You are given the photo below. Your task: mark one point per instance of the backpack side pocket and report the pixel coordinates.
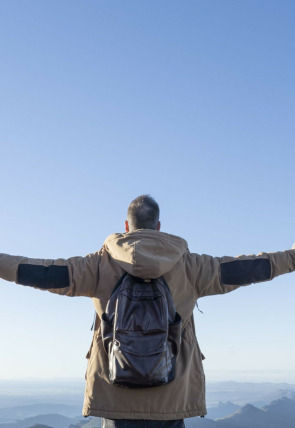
(106, 332)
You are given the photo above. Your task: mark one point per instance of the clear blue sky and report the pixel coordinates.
(191, 102)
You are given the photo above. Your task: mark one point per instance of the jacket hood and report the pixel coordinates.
(146, 253)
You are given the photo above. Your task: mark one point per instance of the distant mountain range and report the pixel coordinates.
(278, 414)
(52, 420)
(222, 410)
(242, 393)
(13, 413)
(40, 426)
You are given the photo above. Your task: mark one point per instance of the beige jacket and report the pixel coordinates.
(146, 254)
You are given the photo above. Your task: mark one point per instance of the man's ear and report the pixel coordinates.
(126, 226)
(159, 225)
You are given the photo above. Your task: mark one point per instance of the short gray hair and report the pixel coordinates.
(143, 213)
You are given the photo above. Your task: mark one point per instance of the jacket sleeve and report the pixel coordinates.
(76, 276)
(219, 275)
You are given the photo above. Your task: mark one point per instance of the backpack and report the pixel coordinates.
(141, 333)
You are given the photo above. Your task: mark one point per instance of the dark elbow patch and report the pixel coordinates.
(45, 277)
(241, 272)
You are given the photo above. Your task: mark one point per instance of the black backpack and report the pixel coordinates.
(141, 333)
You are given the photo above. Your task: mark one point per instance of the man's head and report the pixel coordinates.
(143, 213)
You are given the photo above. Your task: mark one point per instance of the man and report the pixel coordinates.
(147, 253)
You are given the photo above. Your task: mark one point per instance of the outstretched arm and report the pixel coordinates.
(76, 276)
(218, 275)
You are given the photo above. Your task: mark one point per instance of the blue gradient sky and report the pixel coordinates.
(191, 102)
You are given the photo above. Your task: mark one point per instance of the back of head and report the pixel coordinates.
(143, 213)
